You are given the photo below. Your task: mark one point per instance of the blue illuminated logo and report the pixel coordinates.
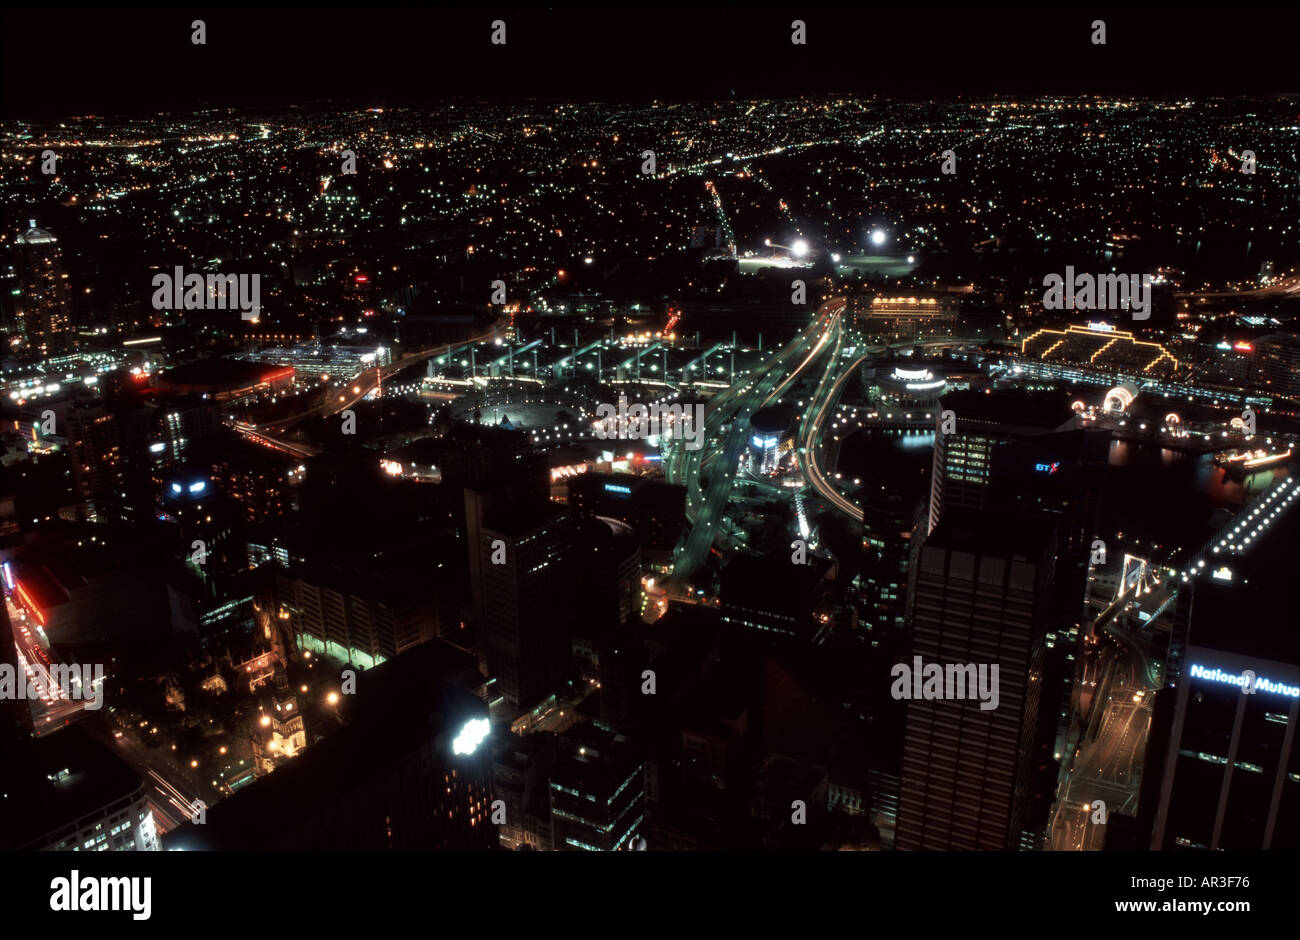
(1047, 467)
(616, 488)
(1241, 680)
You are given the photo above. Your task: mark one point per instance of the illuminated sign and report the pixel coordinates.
(157, 448)
(198, 487)
(1047, 467)
(1240, 680)
(1223, 346)
(471, 736)
(9, 576)
(1222, 574)
(617, 488)
(1101, 327)
(760, 441)
(1244, 347)
(30, 605)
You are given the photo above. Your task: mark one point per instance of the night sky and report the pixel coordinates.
(61, 61)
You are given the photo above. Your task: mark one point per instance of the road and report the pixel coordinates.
(823, 340)
(54, 708)
(1107, 767)
(727, 416)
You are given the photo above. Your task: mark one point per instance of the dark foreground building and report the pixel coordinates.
(983, 595)
(409, 770)
(67, 792)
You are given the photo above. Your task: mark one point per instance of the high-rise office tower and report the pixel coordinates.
(43, 314)
(1059, 477)
(1014, 453)
(888, 528)
(963, 457)
(1279, 364)
(983, 590)
(95, 449)
(1225, 762)
(524, 579)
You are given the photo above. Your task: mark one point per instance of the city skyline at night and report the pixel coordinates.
(655, 429)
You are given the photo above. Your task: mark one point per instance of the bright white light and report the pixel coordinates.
(799, 248)
(471, 736)
(877, 237)
(835, 258)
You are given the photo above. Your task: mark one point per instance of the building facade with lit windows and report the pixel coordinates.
(66, 792)
(43, 312)
(963, 456)
(361, 617)
(1279, 364)
(900, 319)
(95, 452)
(597, 791)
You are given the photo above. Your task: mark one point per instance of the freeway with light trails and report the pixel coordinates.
(728, 414)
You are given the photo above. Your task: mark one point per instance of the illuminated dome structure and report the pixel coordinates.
(1119, 399)
(909, 389)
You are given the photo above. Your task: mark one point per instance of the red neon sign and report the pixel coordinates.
(31, 605)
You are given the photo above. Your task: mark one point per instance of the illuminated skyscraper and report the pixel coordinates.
(43, 313)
